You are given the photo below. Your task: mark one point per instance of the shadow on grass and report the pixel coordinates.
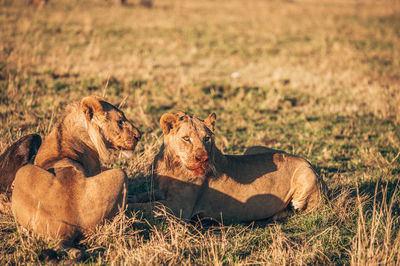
(374, 192)
(378, 192)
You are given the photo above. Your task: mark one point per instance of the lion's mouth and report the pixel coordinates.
(201, 169)
(126, 151)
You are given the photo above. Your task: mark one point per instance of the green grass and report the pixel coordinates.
(319, 79)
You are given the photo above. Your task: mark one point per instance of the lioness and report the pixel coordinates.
(65, 193)
(194, 178)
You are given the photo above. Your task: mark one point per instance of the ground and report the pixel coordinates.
(319, 79)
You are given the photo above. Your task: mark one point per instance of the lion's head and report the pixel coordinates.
(189, 141)
(108, 127)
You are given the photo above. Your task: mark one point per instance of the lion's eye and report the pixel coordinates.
(206, 139)
(186, 138)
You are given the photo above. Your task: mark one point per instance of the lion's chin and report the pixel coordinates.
(199, 171)
(126, 153)
(123, 152)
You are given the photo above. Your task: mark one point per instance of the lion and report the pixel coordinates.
(195, 179)
(65, 194)
(18, 154)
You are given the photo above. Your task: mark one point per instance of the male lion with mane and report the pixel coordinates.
(194, 179)
(65, 193)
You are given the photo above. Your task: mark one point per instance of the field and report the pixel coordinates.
(320, 79)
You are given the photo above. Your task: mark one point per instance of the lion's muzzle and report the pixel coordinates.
(135, 137)
(136, 134)
(201, 163)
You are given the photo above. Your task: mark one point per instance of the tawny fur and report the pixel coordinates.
(65, 193)
(194, 178)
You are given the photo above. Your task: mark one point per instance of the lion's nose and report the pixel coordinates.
(137, 134)
(202, 158)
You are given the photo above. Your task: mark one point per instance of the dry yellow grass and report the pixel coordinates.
(317, 78)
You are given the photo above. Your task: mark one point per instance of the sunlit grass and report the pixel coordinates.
(319, 79)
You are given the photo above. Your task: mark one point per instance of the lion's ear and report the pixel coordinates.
(210, 121)
(91, 105)
(167, 122)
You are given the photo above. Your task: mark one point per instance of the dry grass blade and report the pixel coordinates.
(377, 241)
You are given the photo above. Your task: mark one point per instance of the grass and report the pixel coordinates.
(316, 78)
